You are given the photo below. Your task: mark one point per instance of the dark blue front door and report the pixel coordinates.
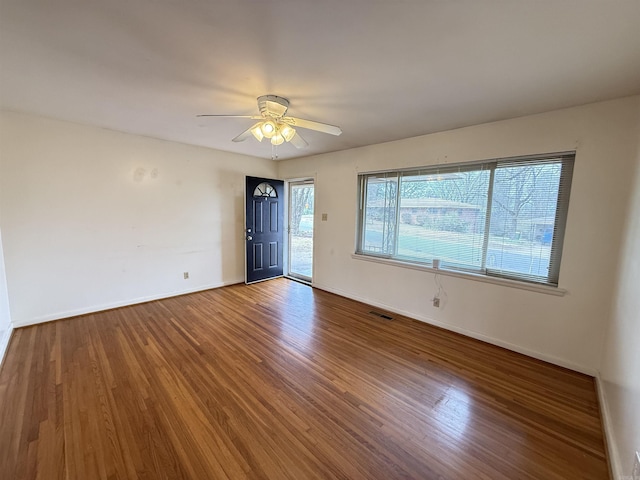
(264, 233)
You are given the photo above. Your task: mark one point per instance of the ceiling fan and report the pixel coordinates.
(276, 126)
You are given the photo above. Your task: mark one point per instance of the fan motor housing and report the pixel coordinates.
(272, 106)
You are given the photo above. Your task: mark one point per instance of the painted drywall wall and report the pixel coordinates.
(5, 314)
(566, 330)
(93, 218)
(620, 370)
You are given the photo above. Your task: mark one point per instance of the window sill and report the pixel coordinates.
(546, 289)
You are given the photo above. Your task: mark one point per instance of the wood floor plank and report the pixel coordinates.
(281, 381)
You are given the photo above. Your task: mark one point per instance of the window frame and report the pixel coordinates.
(567, 161)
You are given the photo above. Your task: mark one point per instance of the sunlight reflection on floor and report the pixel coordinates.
(453, 411)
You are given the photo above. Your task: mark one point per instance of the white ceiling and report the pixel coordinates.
(381, 69)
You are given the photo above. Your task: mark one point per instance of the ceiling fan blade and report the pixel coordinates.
(311, 125)
(232, 116)
(244, 135)
(298, 142)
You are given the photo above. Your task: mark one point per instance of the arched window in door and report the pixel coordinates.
(265, 190)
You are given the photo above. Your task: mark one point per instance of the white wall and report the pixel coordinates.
(5, 315)
(566, 330)
(93, 218)
(620, 370)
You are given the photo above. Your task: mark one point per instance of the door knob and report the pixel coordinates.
(249, 237)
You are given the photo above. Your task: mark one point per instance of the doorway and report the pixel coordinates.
(300, 231)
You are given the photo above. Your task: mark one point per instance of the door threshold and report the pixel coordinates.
(299, 280)
(263, 280)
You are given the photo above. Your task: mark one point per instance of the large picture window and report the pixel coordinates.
(502, 218)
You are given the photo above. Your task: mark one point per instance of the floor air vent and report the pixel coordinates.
(381, 315)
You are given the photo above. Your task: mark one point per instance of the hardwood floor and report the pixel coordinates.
(279, 381)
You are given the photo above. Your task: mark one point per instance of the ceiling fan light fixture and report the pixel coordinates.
(277, 139)
(287, 132)
(257, 131)
(268, 128)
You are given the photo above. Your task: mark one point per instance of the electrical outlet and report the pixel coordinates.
(636, 467)
(186, 275)
(324, 217)
(436, 302)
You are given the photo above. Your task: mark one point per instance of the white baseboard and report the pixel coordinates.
(469, 333)
(123, 303)
(614, 458)
(4, 343)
